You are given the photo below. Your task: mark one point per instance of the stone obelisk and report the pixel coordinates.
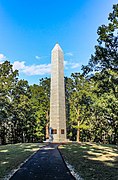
(57, 99)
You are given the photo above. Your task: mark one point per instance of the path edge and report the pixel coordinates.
(12, 172)
(65, 162)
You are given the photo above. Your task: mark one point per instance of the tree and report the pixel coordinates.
(104, 64)
(22, 119)
(79, 100)
(8, 81)
(106, 52)
(40, 95)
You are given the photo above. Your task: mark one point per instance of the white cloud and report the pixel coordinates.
(71, 65)
(2, 57)
(69, 54)
(18, 65)
(65, 63)
(40, 69)
(33, 69)
(37, 69)
(75, 65)
(37, 57)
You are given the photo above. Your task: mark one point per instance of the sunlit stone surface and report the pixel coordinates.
(57, 99)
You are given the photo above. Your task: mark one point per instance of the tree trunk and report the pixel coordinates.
(47, 125)
(115, 136)
(78, 124)
(78, 133)
(47, 131)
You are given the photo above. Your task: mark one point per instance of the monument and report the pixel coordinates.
(57, 98)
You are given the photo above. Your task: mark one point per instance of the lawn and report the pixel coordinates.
(12, 155)
(92, 161)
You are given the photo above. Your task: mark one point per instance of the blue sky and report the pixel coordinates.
(29, 30)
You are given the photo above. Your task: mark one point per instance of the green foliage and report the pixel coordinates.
(23, 108)
(104, 64)
(8, 80)
(79, 100)
(91, 97)
(40, 99)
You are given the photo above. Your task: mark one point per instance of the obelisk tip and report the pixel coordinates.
(57, 47)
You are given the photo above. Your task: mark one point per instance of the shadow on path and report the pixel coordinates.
(45, 164)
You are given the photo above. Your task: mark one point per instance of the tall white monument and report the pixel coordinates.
(57, 99)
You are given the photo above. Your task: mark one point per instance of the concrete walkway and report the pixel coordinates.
(45, 164)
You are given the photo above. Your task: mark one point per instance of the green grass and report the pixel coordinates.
(12, 155)
(92, 161)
